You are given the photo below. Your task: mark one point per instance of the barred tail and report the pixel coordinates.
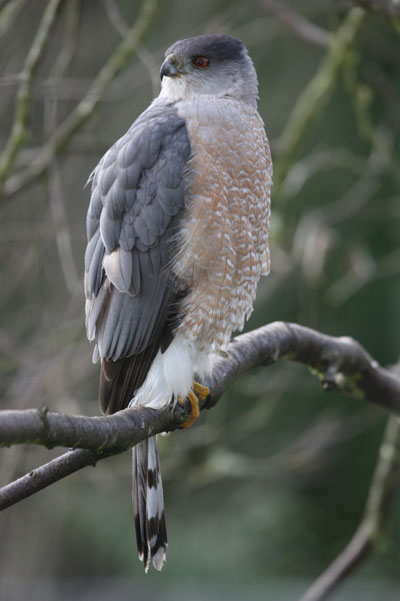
(148, 504)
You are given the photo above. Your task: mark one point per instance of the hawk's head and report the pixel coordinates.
(217, 65)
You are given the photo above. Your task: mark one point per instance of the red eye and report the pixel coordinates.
(201, 62)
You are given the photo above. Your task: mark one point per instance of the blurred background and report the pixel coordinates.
(267, 488)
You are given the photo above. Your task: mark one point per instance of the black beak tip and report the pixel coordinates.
(163, 70)
(167, 69)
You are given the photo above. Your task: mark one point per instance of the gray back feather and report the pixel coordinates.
(138, 199)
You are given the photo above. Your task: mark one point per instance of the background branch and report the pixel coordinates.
(387, 8)
(316, 94)
(89, 102)
(18, 132)
(301, 26)
(362, 542)
(8, 13)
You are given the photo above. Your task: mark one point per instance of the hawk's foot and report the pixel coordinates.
(194, 403)
(202, 392)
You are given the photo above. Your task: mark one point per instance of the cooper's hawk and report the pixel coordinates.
(178, 239)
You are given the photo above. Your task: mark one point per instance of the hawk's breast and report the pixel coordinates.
(223, 245)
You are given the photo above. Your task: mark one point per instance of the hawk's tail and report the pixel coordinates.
(148, 504)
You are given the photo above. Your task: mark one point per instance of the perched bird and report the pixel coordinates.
(177, 240)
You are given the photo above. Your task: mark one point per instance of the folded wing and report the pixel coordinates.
(137, 203)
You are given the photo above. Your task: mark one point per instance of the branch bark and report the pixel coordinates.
(339, 363)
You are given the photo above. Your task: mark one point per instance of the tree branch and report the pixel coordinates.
(114, 433)
(339, 363)
(361, 544)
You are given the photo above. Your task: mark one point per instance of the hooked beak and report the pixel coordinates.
(169, 67)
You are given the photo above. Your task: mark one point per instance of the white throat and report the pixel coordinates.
(184, 88)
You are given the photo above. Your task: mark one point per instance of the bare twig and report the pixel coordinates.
(69, 45)
(87, 105)
(387, 8)
(338, 362)
(61, 229)
(316, 94)
(8, 13)
(49, 473)
(23, 99)
(56, 197)
(361, 544)
(301, 26)
(115, 17)
(119, 24)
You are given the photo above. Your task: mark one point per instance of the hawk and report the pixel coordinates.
(177, 233)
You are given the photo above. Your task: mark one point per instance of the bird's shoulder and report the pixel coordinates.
(143, 167)
(138, 191)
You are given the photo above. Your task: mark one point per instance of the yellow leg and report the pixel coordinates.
(201, 391)
(194, 402)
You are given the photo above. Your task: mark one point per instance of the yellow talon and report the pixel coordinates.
(201, 391)
(194, 403)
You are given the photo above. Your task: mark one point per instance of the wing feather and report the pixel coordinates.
(137, 202)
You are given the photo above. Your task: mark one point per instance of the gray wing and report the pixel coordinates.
(137, 202)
